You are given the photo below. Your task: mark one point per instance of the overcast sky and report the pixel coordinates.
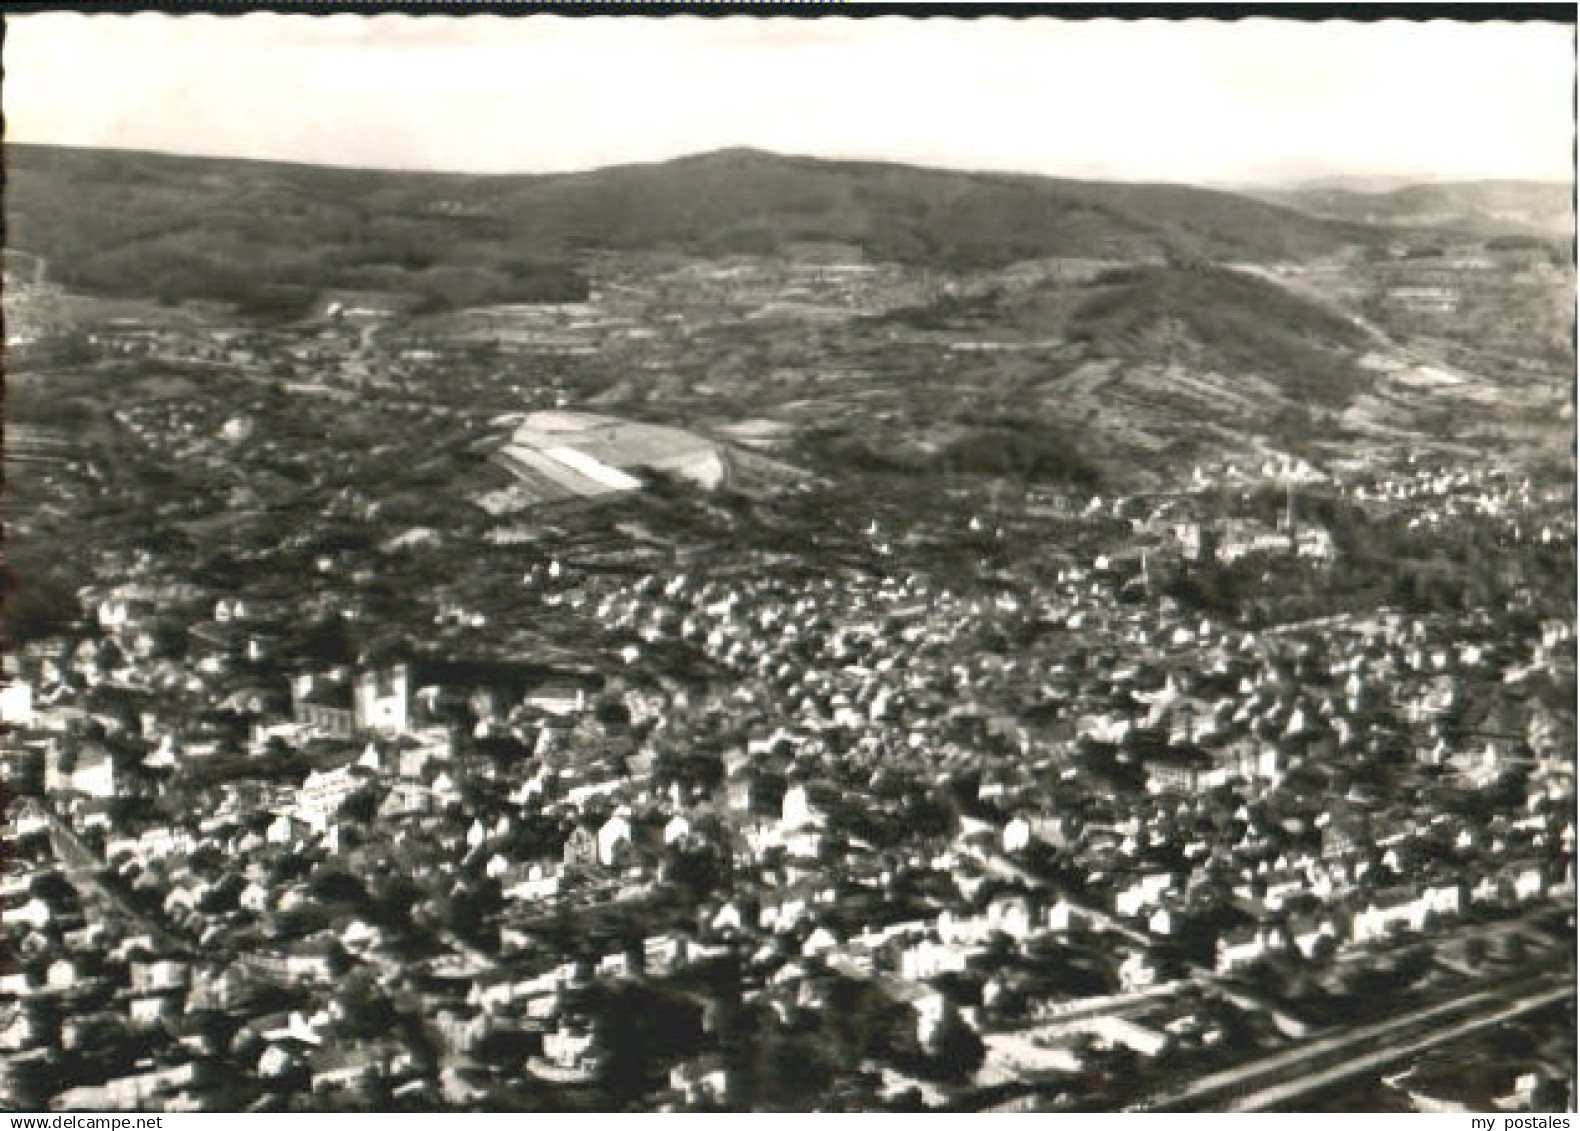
(1201, 101)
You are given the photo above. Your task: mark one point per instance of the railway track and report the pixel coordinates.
(1324, 1060)
(1276, 1095)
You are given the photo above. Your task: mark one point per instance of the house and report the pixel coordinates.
(701, 1080)
(557, 698)
(381, 700)
(1118, 1032)
(460, 1028)
(62, 974)
(614, 833)
(90, 772)
(1016, 916)
(619, 965)
(248, 608)
(800, 809)
(805, 843)
(323, 702)
(1143, 894)
(336, 1067)
(1436, 1091)
(729, 918)
(537, 882)
(1177, 769)
(152, 1010)
(154, 844)
(116, 614)
(27, 1030)
(1388, 911)
(254, 897)
(1064, 917)
(445, 790)
(1311, 933)
(1247, 945)
(1017, 835)
(677, 828)
(16, 703)
(1424, 299)
(158, 976)
(279, 1060)
(285, 829)
(132, 1092)
(1444, 899)
(930, 958)
(664, 954)
(222, 989)
(1315, 543)
(569, 1053)
(1528, 880)
(784, 914)
(406, 797)
(1240, 539)
(184, 894)
(1534, 1091)
(1346, 827)
(395, 699)
(1138, 971)
(323, 793)
(35, 913)
(581, 847)
(315, 959)
(820, 941)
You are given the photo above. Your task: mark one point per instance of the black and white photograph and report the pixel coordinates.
(859, 560)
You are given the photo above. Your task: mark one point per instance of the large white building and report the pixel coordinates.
(322, 794)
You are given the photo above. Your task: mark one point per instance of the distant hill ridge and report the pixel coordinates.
(1537, 206)
(135, 223)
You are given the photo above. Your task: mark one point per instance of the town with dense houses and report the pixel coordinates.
(702, 819)
(777, 676)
